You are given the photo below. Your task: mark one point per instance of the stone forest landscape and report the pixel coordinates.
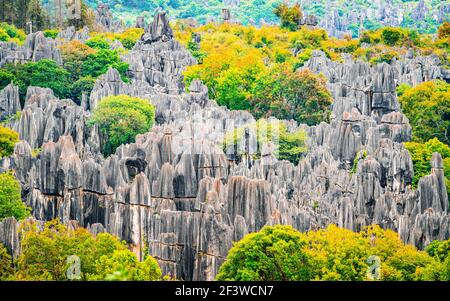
(224, 140)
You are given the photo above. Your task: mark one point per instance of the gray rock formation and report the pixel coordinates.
(9, 101)
(178, 194)
(35, 48)
(70, 34)
(105, 20)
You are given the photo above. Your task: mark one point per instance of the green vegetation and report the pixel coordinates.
(10, 33)
(8, 139)
(421, 154)
(45, 73)
(10, 198)
(361, 155)
(247, 14)
(290, 16)
(48, 254)
(273, 254)
(246, 68)
(287, 94)
(121, 118)
(51, 33)
(122, 265)
(282, 253)
(82, 65)
(6, 269)
(427, 107)
(288, 145)
(99, 62)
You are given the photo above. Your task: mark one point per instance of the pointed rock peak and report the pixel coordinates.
(436, 161)
(158, 30)
(112, 75)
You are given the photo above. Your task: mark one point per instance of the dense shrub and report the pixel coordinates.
(121, 118)
(6, 268)
(421, 154)
(427, 107)
(99, 62)
(287, 94)
(10, 198)
(282, 253)
(290, 16)
(45, 73)
(8, 138)
(46, 255)
(286, 145)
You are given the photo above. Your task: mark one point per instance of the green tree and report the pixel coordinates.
(439, 249)
(421, 154)
(273, 254)
(121, 118)
(11, 204)
(51, 33)
(45, 74)
(8, 139)
(98, 42)
(287, 94)
(287, 145)
(98, 63)
(46, 253)
(6, 78)
(427, 107)
(123, 265)
(82, 85)
(290, 16)
(282, 253)
(392, 36)
(444, 30)
(6, 267)
(74, 53)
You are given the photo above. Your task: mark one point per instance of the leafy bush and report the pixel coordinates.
(130, 36)
(421, 154)
(273, 254)
(10, 198)
(123, 265)
(98, 42)
(6, 269)
(45, 255)
(287, 94)
(282, 253)
(82, 85)
(74, 53)
(444, 30)
(51, 33)
(121, 118)
(391, 36)
(10, 33)
(288, 146)
(290, 16)
(45, 73)
(6, 78)
(8, 139)
(427, 107)
(98, 63)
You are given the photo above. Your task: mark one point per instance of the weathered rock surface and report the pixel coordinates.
(35, 48)
(9, 101)
(176, 193)
(105, 20)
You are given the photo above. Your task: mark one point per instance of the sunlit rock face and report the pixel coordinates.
(177, 193)
(36, 47)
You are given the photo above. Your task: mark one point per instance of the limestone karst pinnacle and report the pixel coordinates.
(176, 192)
